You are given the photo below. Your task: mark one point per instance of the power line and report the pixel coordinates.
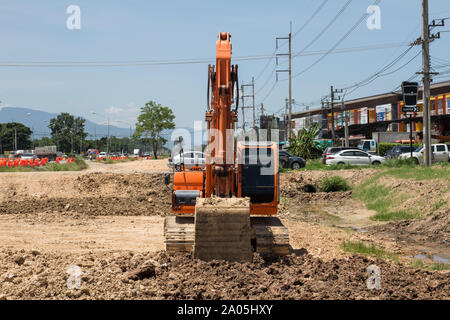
(193, 61)
(321, 33)
(386, 74)
(310, 18)
(295, 34)
(346, 35)
(380, 73)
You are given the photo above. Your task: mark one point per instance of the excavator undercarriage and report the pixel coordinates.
(222, 228)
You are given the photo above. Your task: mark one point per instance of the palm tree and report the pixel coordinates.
(302, 144)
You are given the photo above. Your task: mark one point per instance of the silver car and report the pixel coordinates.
(354, 157)
(189, 158)
(28, 156)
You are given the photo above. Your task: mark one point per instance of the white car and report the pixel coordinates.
(102, 155)
(189, 158)
(440, 153)
(28, 156)
(354, 157)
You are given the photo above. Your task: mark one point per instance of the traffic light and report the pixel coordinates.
(410, 91)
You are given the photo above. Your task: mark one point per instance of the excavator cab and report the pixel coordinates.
(258, 176)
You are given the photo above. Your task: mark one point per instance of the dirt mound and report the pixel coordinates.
(124, 275)
(430, 200)
(96, 194)
(314, 176)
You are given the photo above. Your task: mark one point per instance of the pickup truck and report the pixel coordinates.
(440, 153)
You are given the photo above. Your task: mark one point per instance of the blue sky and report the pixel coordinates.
(35, 31)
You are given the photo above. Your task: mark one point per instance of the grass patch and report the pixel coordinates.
(439, 204)
(284, 170)
(78, 165)
(387, 202)
(367, 250)
(333, 184)
(419, 264)
(398, 163)
(316, 164)
(394, 216)
(420, 172)
(16, 169)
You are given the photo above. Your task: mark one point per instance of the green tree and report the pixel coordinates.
(152, 121)
(12, 130)
(302, 144)
(44, 141)
(68, 132)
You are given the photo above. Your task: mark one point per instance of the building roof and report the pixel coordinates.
(377, 100)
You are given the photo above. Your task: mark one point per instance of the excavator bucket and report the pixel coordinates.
(222, 229)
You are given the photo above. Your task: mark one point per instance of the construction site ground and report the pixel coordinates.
(108, 221)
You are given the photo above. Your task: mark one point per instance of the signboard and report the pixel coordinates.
(363, 119)
(410, 109)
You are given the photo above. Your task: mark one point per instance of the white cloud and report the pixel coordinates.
(114, 110)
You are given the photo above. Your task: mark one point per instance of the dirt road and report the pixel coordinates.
(75, 234)
(108, 221)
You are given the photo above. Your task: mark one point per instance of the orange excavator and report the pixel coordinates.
(228, 209)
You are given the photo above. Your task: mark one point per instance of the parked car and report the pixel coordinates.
(332, 150)
(439, 153)
(289, 161)
(354, 157)
(396, 151)
(189, 158)
(102, 155)
(28, 156)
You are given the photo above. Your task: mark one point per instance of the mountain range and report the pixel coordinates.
(36, 120)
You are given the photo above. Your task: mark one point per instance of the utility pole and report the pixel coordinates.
(425, 42)
(253, 101)
(426, 84)
(262, 110)
(345, 123)
(15, 139)
(289, 71)
(333, 136)
(333, 97)
(290, 80)
(253, 105)
(243, 108)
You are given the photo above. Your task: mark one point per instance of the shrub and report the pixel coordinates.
(384, 147)
(334, 184)
(397, 163)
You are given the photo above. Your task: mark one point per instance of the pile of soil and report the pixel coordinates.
(301, 199)
(431, 200)
(95, 194)
(125, 275)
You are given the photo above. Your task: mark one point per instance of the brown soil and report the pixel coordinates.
(89, 194)
(110, 225)
(130, 275)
